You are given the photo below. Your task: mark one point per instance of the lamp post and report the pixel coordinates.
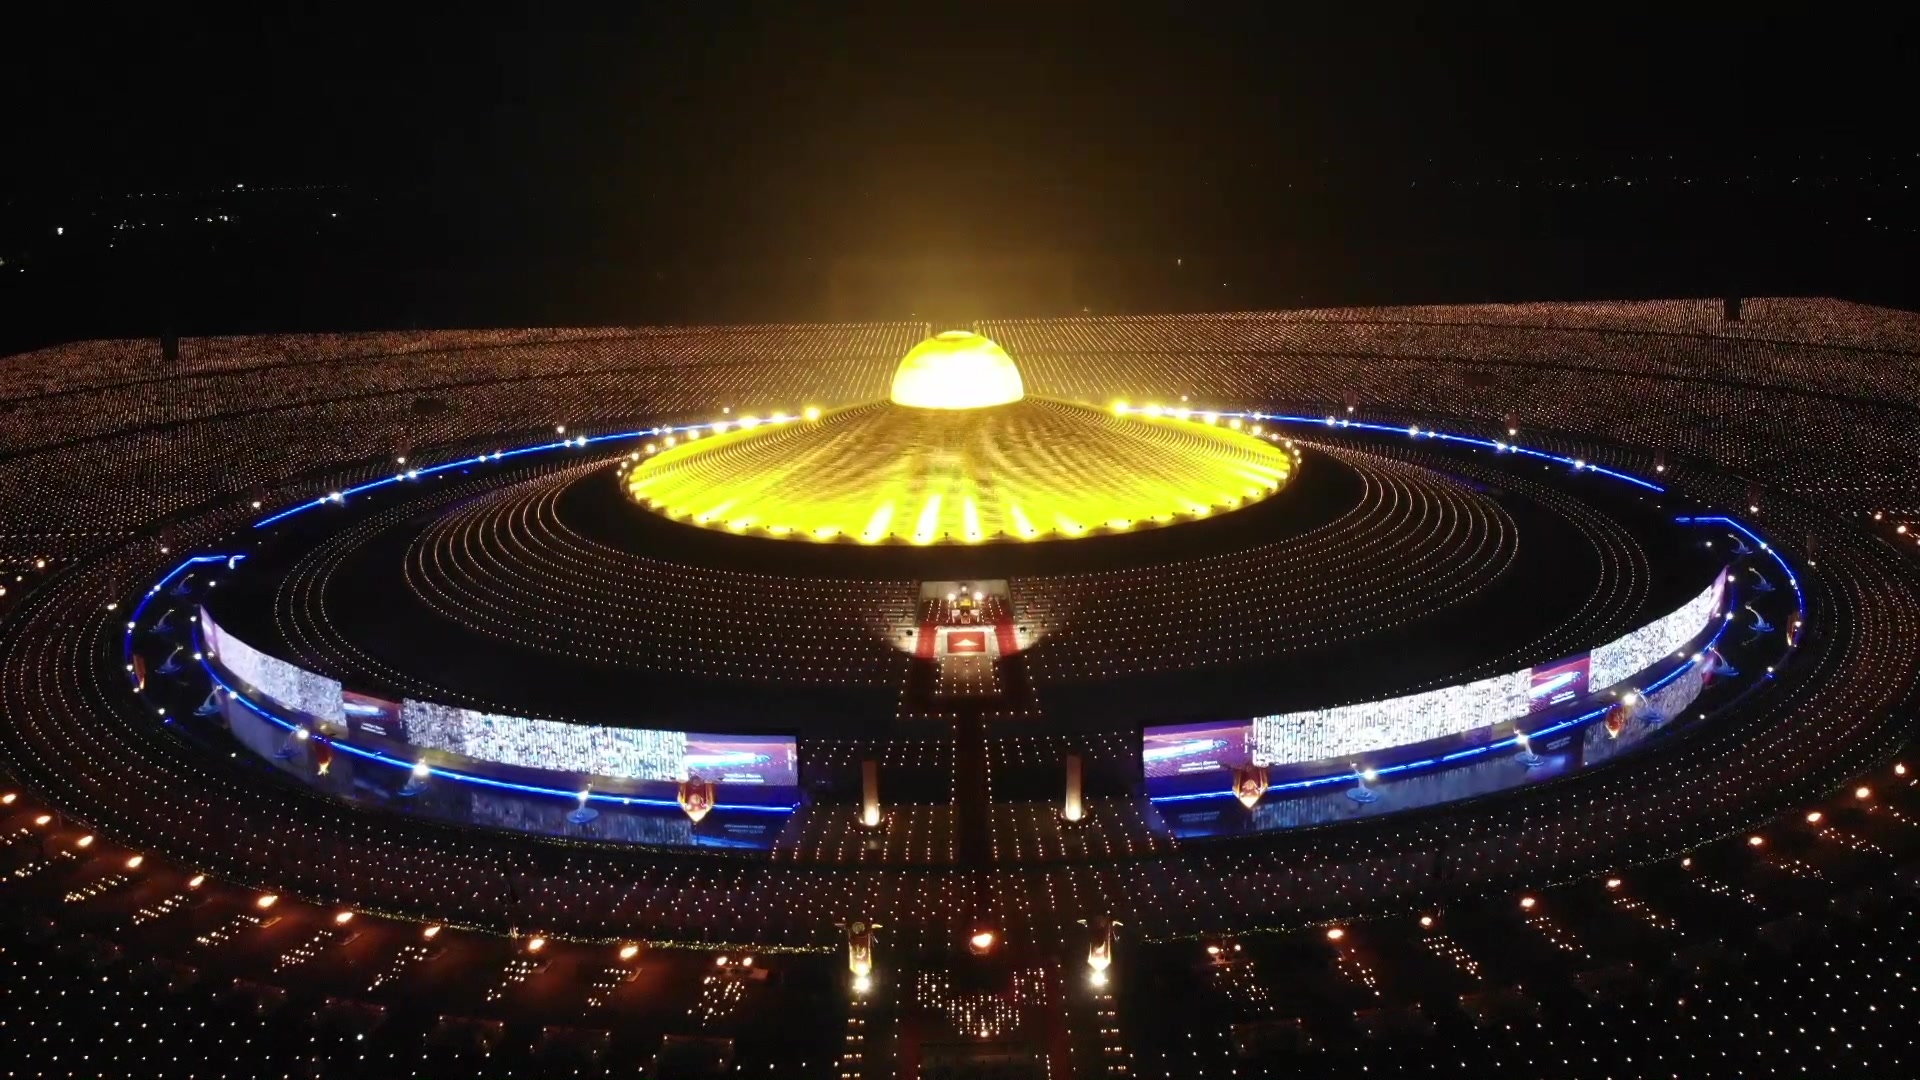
(1073, 808)
(1526, 756)
(1360, 792)
(870, 793)
(417, 778)
(583, 813)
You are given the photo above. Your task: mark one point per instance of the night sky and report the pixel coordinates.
(603, 141)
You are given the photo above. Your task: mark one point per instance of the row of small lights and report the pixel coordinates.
(718, 427)
(1236, 419)
(692, 431)
(38, 564)
(1899, 530)
(266, 901)
(1528, 902)
(981, 942)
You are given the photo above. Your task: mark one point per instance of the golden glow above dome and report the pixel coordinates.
(1034, 469)
(957, 370)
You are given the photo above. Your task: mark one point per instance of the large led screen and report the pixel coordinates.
(289, 688)
(1628, 656)
(769, 760)
(1550, 686)
(1351, 730)
(373, 717)
(617, 753)
(1184, 749)
(621, 753)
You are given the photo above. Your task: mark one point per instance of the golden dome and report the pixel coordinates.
(957, 370)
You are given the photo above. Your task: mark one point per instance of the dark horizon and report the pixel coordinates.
(730, 163)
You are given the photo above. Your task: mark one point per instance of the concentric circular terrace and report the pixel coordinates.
(76, 732)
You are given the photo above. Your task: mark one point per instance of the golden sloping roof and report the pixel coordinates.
(1028, 470)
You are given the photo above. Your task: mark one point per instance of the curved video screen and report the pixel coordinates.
(1593, 745)
(1623, 658)
(618, 753)
(1318, 734)
(624, 753)
(1174, 751)
(1186, 749)
(293, 689)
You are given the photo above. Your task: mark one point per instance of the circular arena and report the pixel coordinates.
(1133, 696)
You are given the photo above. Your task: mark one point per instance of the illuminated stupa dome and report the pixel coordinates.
(959, 454)
(957, 370)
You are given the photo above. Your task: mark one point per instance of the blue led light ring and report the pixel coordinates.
(1800, 597)
(497, 455)
(1411, 431)
(133, 619)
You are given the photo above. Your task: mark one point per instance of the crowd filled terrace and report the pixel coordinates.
(1751, 880)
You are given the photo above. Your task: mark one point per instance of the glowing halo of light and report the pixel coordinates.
(1004, 467)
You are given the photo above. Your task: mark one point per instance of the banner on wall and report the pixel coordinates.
(372, 716)
(1188, 749)
(1553, 685)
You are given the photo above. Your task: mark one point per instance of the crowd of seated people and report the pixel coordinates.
(1762, 400)
(1416, 544)
(173, 433)
(110, 438)
(1784, 947)
(509, 565)
(94, 749)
